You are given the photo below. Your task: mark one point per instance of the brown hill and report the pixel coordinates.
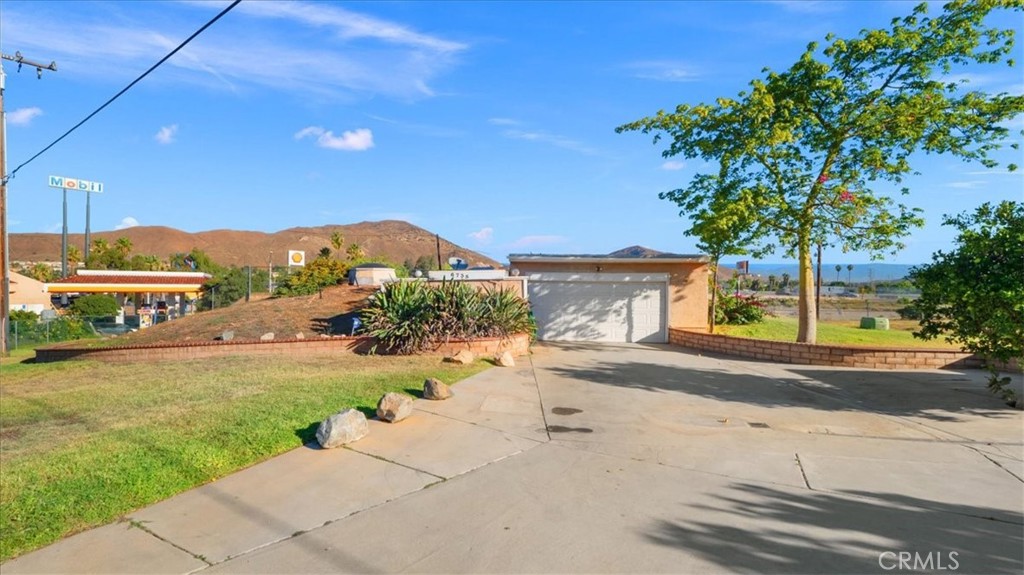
(395, 240)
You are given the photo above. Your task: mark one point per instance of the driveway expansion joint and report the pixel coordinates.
(140, 525)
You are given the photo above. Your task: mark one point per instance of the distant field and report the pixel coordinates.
(846, 332)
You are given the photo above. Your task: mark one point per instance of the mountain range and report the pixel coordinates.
(394, 240)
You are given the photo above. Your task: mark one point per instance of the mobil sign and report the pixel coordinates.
(75, 184)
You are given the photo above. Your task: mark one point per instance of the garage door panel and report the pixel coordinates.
(598, 311)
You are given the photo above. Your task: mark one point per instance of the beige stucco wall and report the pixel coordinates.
(688, 284)
(28, 293)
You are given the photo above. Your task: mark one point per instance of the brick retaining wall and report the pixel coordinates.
(519, 345)
(832, 355)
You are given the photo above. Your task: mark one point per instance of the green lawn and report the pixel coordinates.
(83, 443)
(899, 333)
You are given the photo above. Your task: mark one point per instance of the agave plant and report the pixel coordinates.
(505, 314)
(400, 317)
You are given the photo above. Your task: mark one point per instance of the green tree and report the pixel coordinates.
(42, 272)
(337, 242)
(425, 263)
(313, 277)
(95, 305)
(812, 145)
(974, 295)
(355, 252)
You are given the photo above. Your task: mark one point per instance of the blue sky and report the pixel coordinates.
(489, 123)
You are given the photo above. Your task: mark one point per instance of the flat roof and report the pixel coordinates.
(607, 259)
(129, 281)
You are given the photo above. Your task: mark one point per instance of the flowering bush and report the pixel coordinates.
(738, 309)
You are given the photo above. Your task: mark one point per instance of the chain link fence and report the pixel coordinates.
(35, 333)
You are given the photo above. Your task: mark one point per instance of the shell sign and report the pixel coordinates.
(296, 258)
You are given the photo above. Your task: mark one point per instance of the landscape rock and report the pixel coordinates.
(394, 407)
(341, 428)
(436, 389)
(227, 335)
(300, 335)
(464, 357)
(505, 360)
(269, 336)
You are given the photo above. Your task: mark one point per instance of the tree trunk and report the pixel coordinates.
(714, 296)
(808, 330)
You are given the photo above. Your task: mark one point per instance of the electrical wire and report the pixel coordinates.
(7, 177)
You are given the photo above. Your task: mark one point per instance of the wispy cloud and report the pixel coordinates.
(808, 6)
(503, 121)
(336, 52)
(23, 116)
(127, 222)
(673, 165)
(166, 134)
(537, 241)
(483, 235)
(663, 70)
(968, 185)
(551, 139)
(349, 141)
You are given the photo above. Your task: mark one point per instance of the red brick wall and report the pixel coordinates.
(518, 345)
(812, 354)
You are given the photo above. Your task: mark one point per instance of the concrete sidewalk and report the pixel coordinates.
(616, 459)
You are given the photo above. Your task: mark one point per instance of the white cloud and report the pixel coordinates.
(664, 70)
(673, 165)
(337, 53)
(969, 185)
(166, 134)
(552, 139)
(536, 241)
(127, 222)
(483, 235)
(350, 141)
(23, 116)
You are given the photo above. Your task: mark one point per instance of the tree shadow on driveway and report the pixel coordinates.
(762, 529)
(946, 396)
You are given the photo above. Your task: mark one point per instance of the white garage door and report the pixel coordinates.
(600, 307)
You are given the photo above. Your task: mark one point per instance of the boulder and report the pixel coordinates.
(269, 336)
(300, 335)
(505, 360)
(341, 428)
(227, 335)
(436, 390)
(394, 407)
(464, 357)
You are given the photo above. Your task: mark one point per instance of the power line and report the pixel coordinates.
(7, 177)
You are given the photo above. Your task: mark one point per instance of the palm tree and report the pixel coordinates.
(839, 268)
(338, 241)
(355, 252)
(785, 281)
(849, 274)
(325, 252)
(772, 280)
(74, 258)
(124, 246)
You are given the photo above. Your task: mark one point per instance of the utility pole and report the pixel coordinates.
(5, 260)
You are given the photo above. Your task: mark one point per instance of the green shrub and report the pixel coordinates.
(738, 310)
(24, 316)
(95, 305)
(407, 317)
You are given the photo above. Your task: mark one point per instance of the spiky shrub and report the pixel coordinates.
(400, 316)
(505, 314)
(407, 317)
(458, 310)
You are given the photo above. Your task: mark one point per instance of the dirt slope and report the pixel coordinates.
(285, 317)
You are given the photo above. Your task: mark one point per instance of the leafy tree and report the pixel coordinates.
(974, 295)
(810, 147)
(313, 277)
(95, 305)
(425, 263)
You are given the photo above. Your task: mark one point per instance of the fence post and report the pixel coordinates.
(14, 325)
(47, 332)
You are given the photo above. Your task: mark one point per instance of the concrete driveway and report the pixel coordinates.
(623, 458)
